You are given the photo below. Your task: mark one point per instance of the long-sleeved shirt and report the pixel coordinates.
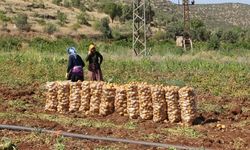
(94, 59)
(74, 62)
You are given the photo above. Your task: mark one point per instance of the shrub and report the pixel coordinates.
(230, 36)
(200, 34)
(247, 36)
(196, 23)
(81, 19)
(149, 14)
(37, 5)
(174, 29)
(57, 2)
(62, 17)
(50, 28)
(66, 3)
(83, 8)
(214, 42)
(76, 3)
(105, 28)
(116, 35)
(59, 143)
(3, 17)
(75, 26)
(160, 35)
(199, 31)
(97, 25)
(41, 22)
(113, 10)
(57, 46)
(10, 43)
(4, 27)
(127, 13)
(219, 33)
(7, 144)
(21, 21)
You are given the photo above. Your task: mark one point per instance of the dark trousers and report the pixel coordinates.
(75, 78)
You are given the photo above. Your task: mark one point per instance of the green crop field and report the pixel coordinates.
(33, 42)
(220, 72)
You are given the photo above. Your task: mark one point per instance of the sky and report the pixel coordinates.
(216, 1)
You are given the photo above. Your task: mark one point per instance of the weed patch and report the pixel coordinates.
(210, 107)
(152, 137)
(130, 125)
(183, 131)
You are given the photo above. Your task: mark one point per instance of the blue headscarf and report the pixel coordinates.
(72, 51)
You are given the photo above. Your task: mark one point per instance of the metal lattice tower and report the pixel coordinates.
(187, 41)
(186, 19)
(139, 28)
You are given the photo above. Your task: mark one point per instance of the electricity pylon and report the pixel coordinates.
(139, 28)
(187, 42)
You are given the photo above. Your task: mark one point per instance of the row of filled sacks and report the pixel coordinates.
(87, 97)
(134, 100)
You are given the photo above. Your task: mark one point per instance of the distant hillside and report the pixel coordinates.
(223, 14)
(214, 15)
(41, 12)
(44, 11)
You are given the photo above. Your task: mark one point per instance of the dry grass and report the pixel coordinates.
(20, 6)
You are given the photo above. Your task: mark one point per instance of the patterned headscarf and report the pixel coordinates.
(91, 46)
(72, 51)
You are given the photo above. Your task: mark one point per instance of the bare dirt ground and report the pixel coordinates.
(223, 123)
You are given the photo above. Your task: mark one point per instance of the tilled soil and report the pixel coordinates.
(226, 127)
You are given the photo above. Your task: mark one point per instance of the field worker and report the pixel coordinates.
(75, 66)
(95, 60)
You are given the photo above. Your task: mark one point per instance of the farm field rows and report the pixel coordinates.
(221, 80)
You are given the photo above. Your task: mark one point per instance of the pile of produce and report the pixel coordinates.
(135, 100)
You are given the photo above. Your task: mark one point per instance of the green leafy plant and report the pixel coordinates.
(41, 22)
(21, 21)
(7, 144)
(183, 131)
(82, 19)
(127, 13)
(160, 35)
(76, 3)
(10, 43)
(105, 28)
(230, 36)
(67, 3)
(62, 17)
(75, 26)
(3, 17)
(57, 2)
(59, 143)
(50, 28)
(113, 10)
(214, 42)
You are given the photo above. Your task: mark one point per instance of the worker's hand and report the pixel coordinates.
(89, 52)
(66, 75)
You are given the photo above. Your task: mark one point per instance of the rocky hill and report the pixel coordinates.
(214, 15)
(41, 12)
(223, 15)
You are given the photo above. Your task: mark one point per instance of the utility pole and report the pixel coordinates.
(186, 18)
(139, 28)
(187, 42)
